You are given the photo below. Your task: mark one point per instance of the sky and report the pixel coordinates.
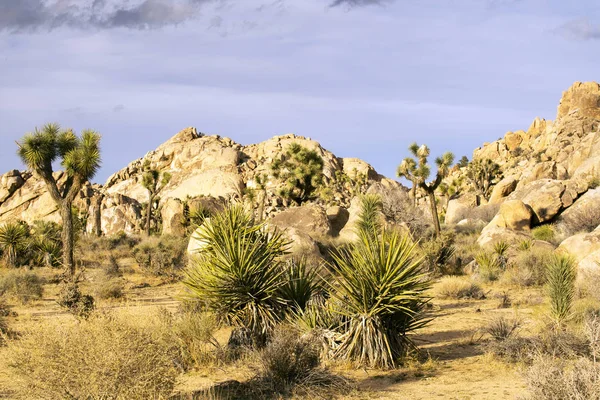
(365, 78)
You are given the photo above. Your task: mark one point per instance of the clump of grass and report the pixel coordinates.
(105, 357)
(560, 277)
(543, 232)
(529, 267)
(21, 285)
(458, 287)
(490, 267)
(502, 328)
(525, 245)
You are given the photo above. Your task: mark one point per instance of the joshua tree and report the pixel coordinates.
(420, 171)
(408, 169)
(302, 171)
(154, 182)
(463, 162)
(80, 157)
(483, 175)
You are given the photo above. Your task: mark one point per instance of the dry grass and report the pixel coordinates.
(105, 357)
(457, 287)
(21, 285)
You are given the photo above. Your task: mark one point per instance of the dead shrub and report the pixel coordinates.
(21, 285)
(554, 378)
(580, 221)
(105, 357)
(108, 288)
(458, 287)
(162, 256)
(79, 304)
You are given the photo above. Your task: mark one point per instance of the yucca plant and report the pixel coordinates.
(370, 216)
(560, 278)
(300, 283)
(380, 289)
(238, 272)
(46, 243)
(489, 265)
(13, 240)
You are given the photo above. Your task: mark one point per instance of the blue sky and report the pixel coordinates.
(365, 78)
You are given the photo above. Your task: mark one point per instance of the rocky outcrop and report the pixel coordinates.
(514, 215)
(309, 219)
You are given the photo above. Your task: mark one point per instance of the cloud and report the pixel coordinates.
(34, 15)
(118, 108)
(18, 16)
(579, 29)
(356, 3)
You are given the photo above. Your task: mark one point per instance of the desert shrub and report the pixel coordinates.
(485, 212)
(105, 357)
(164, 256)
(557, 343)
(238, 273)
(578, 221)
(192, 334)
(465, 248)
(543, 232)
(289, 358)
(529, 267)
(379, 286)
(79, 304)
(398, 208)
(438, 254)
(23, 286)
(584, 309)
(502, 328)
(458, 287)
(300, 283)
(560, 277)
(588, 283)
(553, 378)
(108, 288)
(490, 267)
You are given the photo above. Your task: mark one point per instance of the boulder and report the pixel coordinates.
(514, 215)
(310, 219)
(582, 98)
(492, 234)
(458, 208)
(543, 196)
(513, 140)
(338, 217)
(503, 188)
(172, 214)
(120, 214)
(348, 233)
(581, 245)
(586, 207)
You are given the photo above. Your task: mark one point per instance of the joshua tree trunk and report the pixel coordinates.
(67, 236)
(434, 214)
(261, 205)
(413, 193)
(149, 214)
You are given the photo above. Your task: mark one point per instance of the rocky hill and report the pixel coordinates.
(205, 170)
(549, 176)
(550, 173)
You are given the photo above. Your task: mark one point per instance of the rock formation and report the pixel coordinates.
(206, 171)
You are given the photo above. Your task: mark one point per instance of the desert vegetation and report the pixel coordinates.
(363, 290)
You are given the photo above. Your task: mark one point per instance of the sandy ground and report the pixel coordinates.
(458, 367)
